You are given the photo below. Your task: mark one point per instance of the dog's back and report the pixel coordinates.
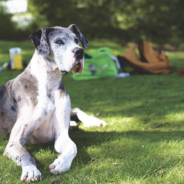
(8, 108)
(14, 95)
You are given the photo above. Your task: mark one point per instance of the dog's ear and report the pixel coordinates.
(40, 41)
(77, 32)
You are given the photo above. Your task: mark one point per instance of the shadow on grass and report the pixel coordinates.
(139, 153)
(88, 139)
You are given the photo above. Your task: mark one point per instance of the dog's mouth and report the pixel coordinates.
(78, 67)
(63, 72)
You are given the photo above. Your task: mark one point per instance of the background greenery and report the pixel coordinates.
(143, 140)
(128, 20)
(124, 20)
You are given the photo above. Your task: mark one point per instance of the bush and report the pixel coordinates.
(7, 26)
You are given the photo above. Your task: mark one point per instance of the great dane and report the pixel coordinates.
(35, 107)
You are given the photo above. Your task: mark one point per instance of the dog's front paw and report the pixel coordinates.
(59, 165)
(30, 173)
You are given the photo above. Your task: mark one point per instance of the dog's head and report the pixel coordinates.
(61, 45)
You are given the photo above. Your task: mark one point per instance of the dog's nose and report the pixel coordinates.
(79, 53)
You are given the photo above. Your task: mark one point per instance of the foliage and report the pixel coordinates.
(143, 141)
(157, 21)
(126, 20)
(92, 18)
(6, 26)
(9, 30)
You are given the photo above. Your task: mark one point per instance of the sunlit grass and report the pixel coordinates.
(144, 137)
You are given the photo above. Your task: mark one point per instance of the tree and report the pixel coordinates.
(7, 27)
(158, 21)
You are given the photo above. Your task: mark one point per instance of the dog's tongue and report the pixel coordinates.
(80, 68)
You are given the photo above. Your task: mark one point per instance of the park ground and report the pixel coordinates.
(143, 142)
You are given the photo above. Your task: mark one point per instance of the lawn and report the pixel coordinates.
(143, 142)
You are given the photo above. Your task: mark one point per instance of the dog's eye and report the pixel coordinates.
(76, 41)
(60, 42)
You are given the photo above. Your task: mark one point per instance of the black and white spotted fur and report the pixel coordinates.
(35, 108)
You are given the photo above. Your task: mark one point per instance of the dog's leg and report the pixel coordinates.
(20, 134)
(63, 143)
(87, 121)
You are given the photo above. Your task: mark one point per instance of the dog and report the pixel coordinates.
(35, 107)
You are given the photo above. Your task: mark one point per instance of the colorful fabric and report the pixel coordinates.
(98, 64)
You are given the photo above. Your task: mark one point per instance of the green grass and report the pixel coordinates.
(143, 142)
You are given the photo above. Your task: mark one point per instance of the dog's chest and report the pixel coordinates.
(47, 87)
(45, 120)
(44, 133)
(50, 92)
